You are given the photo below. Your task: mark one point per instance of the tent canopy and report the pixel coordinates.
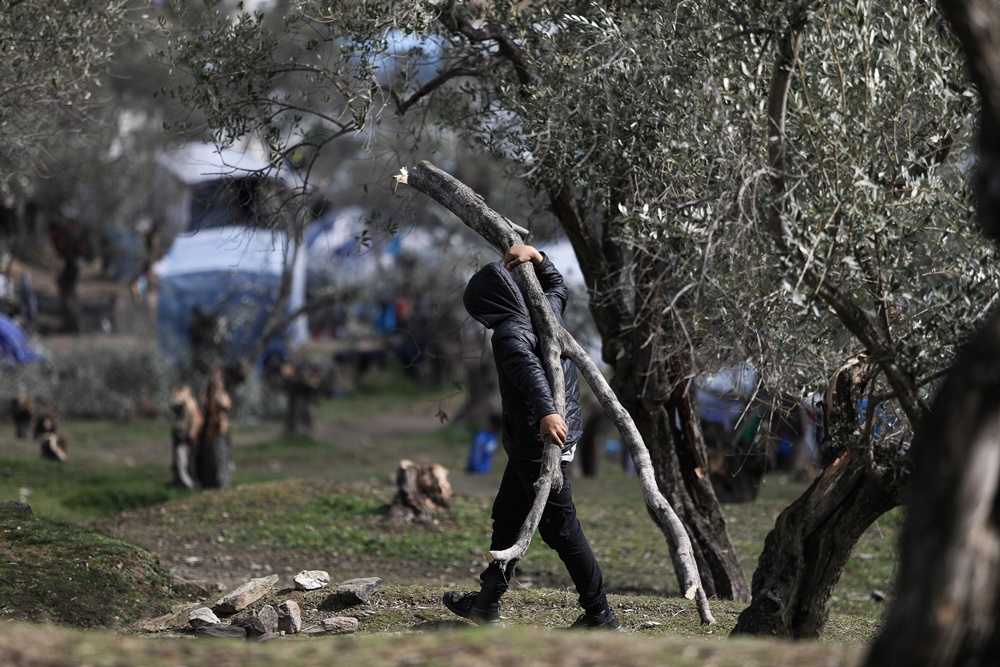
(235, 274)
(14, 343)
(197, 163)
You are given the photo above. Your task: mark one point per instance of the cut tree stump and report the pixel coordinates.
(421, 489)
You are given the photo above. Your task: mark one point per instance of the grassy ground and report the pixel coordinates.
(319, 502)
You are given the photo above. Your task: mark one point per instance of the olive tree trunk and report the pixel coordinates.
(947, 607)
(653, 385)
(806, 551)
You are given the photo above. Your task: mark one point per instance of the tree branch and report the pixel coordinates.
(402, 106)
(507, 46)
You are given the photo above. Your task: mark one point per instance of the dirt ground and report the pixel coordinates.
(207, 559)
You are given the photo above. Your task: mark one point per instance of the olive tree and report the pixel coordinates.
(70, 155)
(53, 55)
(783, 185)
(946, 610)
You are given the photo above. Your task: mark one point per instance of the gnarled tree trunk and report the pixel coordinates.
(655, 390)
(806, 551)
(947, 606)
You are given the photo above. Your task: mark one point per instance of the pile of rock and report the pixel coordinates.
(235, 614)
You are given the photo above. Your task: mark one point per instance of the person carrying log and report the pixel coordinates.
(530, 418)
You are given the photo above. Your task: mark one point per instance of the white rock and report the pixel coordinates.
(310, 580)
(201, 617)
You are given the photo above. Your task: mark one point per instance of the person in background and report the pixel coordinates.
(484, 446)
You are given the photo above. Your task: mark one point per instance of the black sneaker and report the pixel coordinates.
(465, 606)
(605, 620)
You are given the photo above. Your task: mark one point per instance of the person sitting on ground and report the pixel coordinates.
(529, 418)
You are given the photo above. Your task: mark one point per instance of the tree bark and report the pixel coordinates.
(420, 489)
(645, 383)
(555, 341)
(67, 281)
(947, 608)
(303, 383)
(806, 551)
(214, 459)
(656, 388)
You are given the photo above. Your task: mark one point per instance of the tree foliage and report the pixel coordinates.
(52, 57)
(658, 115)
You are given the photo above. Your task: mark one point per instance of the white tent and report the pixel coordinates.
(232, 271)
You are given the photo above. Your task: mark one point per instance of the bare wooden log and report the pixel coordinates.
(557, 342)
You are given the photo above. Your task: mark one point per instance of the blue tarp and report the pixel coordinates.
(722, 397)
(14, 342)
(234, 275)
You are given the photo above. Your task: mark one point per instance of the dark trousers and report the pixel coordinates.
(559, 528)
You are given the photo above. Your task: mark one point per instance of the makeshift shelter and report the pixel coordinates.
(722, 397)
(737, 461)
(219, 281)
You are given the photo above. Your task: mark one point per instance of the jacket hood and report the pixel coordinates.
(492, 296)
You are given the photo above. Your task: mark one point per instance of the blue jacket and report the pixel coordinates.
(494, 300)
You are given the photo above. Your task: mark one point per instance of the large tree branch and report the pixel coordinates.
(507, 46)
(556, 342)
(403, 105)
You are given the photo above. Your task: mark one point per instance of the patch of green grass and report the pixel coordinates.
(111, 496)
(351, 524)
(291, 443)
(375, 389)
(98, 433)
(83, 490)
(58, 572)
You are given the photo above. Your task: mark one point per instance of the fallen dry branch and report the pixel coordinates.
(556, 342)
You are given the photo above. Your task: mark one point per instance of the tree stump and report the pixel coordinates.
(214, 457)
(303, 384)
(185, 436)
(421, 489)
(23, 412)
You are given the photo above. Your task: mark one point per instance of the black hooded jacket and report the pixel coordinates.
(495, 301)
